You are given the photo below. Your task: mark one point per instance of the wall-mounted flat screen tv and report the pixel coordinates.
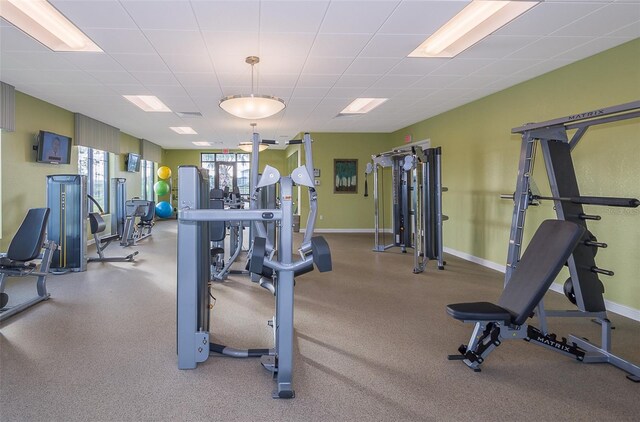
(53, 148)
(133, 162)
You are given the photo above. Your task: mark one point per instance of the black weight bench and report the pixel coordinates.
(551, 246)
(26, 246)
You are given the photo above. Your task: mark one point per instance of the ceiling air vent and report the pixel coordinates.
(189, 114)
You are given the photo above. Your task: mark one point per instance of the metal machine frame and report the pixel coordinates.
(417, 203)
(556, 147)
(67, 226)
(193, 270)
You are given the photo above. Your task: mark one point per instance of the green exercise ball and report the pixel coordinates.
(161, 188)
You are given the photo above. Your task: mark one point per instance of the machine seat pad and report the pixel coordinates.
(216, 251)
(479, 311)
(10, 264)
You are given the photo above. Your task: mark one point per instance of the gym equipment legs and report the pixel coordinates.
(585, 288)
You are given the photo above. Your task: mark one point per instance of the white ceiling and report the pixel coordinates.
(316, 55)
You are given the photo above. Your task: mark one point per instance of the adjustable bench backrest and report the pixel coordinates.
(217, 229)
(551, 246)
(29, 238)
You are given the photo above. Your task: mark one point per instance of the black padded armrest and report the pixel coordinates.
(479, 311)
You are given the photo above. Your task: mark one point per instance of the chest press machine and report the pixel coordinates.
(193, 272)
(528, 277)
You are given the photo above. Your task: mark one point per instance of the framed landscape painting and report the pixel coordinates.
(345, 171)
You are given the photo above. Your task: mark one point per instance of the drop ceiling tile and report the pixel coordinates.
(413, 94)
(130, 89)
(41, 60)
(497, 46)
(92, 62)
(170, 15)
(284, 44)
(375, 92)
(345, 92)
(417, 66)
(283, 92)
(339, 45)
(320, 81)
(474, 81)
(242, 44)
(322, 66)
(610, 19)
(155, 78)
(347, 17)
(183, 103)
(276, 64)
(547, 17)
(361, 81)
(592, 47)
(391, 45)
(302, 92)
(197, 79)
(141, 62)
(177, 42)
(227, 15)
(371, 66)
(233, 64)
(178, 63)
(234, 79)
(95, 14)
(13, 39)
(505, 67)
(130, 41)
(12, 60)
(278, 80)
(72, 77)
(396, 81)
(421, 17)
(292, 16)
(548, 47)
(109, 78)
(436, 81)
(461, 67)
(631, 31)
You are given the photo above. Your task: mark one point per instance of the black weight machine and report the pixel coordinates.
(583, 288)
(417, 202)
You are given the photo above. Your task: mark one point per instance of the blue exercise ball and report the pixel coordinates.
(164, 210)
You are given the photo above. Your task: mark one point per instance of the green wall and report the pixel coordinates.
(23, 180)
(343, 211)
(480, 161)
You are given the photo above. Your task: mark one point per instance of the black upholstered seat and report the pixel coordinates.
(478, 311)
(549, 249)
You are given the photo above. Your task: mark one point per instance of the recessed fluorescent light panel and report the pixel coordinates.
(43, 22)
(201, 144)
(363, 105)
(477, 20)
(183, 130)
(149, 103)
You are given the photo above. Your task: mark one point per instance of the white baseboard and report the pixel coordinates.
(614, 307)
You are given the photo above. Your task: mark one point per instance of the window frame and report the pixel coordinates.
(91, 172)
(211, 160)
